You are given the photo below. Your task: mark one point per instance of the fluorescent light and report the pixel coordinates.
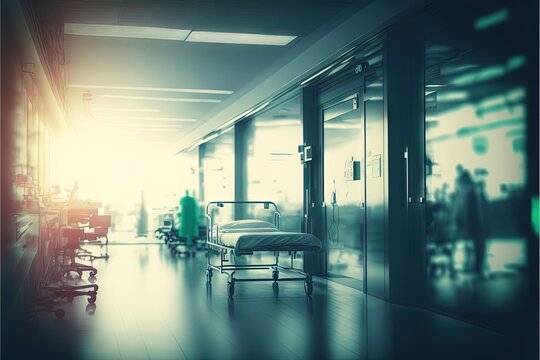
(124, 31)
(152, 98)
(149, 126)
(126, 110)
(239, 38)
(146, 88)
(167, 130)
(145, 118)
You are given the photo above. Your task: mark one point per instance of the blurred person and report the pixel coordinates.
(188, 217)
(142, 221)
(483, 225)
(468, 216)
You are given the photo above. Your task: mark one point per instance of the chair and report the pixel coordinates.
(100, 225)
(68, 264)
(80, 216)
(74, 236)
(98, 228)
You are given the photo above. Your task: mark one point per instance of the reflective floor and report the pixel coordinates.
(153, 306)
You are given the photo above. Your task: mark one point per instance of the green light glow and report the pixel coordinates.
(515, 132)
(516, 94)
(452, 96)
(469, 130)
(465, 80)
(482, 75)
(515, 62)
(534, 214)
(491, 72)
(493, 101)
(480, 145)
(492, 19)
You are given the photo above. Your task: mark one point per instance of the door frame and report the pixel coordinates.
(330, 94)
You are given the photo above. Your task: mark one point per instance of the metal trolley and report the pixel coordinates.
(229, 269)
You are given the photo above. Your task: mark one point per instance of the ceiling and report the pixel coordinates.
(145, 90)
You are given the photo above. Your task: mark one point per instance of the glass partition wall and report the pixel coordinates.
(272, 166)
(475, 120)
(273, 169)
(476, 96)
(216, 174)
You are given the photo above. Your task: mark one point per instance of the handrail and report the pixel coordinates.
(209, 232)
(218, 203)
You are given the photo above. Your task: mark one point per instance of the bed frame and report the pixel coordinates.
(230, 270)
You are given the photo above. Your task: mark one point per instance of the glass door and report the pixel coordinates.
(344, 187)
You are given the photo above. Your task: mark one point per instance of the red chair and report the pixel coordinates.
(78, 216)
(99, 226)
(74, 236)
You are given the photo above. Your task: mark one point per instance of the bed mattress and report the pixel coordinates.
(247, 242)
(246, 238)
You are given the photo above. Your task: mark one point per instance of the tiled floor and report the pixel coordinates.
(153, 306)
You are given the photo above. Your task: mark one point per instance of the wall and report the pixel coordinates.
(28, 127)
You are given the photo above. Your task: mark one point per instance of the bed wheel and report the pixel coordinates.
(275, 275)
(230, 288)
(308, 287)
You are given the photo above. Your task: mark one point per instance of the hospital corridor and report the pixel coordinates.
(269, 179)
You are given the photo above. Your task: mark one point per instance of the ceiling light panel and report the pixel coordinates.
(154, 98)
(144, 88)
(145, 118)
(105, 109)
(124, 31)
(239, 38)
(141, 130)
(143, 126)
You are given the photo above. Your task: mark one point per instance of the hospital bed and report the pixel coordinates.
(245, 237)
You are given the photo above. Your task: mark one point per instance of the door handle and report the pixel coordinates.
(406, 157)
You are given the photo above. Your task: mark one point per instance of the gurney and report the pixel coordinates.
(245, 237)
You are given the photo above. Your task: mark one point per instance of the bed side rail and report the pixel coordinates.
(210, 238)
